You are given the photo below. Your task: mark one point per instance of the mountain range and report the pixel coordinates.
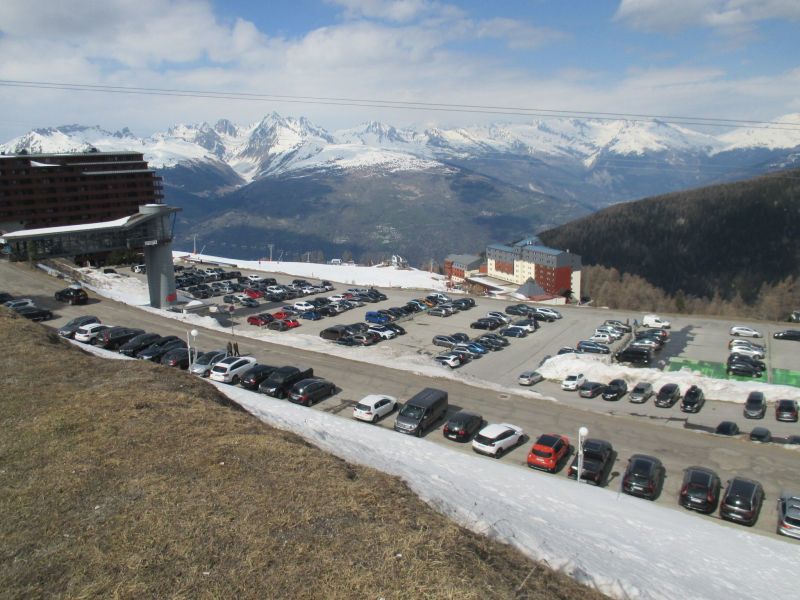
(376, 189)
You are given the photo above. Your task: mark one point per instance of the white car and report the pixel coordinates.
(499, 315)
(741, 330)
(336, 298)
(87, 334)
(373, 407)
(254, 277)
(22, 302)
(751, 352)
(529, 378)
(611, 331)
(736, 342)
(602, 337)
(383, 331)
(449, 359)
(525, 324)
(275, 289)
(572, 382)
(497, 439)
(303, 306)
(230, 369)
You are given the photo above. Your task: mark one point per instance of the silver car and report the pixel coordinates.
(789, 515)
(530, 377)
(641, 393)
(203, 364)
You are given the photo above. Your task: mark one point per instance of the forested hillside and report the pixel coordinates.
(725, 249)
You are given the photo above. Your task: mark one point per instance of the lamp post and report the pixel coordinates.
(582, 433)
(189, 344)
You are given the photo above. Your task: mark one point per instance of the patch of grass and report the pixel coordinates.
(786, 377)
(130, 480)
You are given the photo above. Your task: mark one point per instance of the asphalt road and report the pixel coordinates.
(775, 467)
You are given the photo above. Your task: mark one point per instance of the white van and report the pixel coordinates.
(655, 321)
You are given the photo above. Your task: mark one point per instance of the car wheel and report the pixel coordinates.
(375, 419)
(93, 341)
(736, 334)
(235, 380)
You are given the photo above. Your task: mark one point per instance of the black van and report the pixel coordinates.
(281, 381)
(333, 333)
(635, 356)
(421, 412)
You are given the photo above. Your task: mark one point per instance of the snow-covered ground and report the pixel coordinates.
(623, 546)
(133, 291)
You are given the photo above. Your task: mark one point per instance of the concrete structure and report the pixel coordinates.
(150, 228)
(50, 190)
(458, 267)
(554, 270)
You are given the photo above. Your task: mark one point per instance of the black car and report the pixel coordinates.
(566, 350)
(463, 303)
(253, 377)
(68, 330)
(517, 332)
(786, 410)
(462, 426)
(486, 323)
(333, 333)
(668, 395)
(155, 352)
(591, 389)
(598, 458)
(34, 313)
(139, 342)
(396, 328)
(741, 501)
(177, 357)
(644, 477)
(788, 334)
(735, 357)
(615, 389)
(520, 310)
(634, 356)
(114, 337)
(592, 347)
(761, 435)
(743, 370)
(755, 407)
(693, 400)
(309, 391)
(72, 295)
(727, 428)
(700, 490)
(489, 342)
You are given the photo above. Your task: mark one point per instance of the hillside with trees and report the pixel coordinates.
(730, 249)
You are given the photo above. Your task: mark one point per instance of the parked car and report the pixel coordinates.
(136, 343)
(177, 357)
(735, 342)
(282, 379)
(693, 400)
(787, 334)
(310, 391)
(260, 320)
(34, 313)
(566, 350)
(68, 329)
(571, 383)
(754, 362)
(601, 337)
(204, 362)
(634, 355)
(155, 352)
(742, 501)
(18, 303)
(114, 337)
(550, 312)
(618, 324)
(615, 389)
(529, 378)
(439, 312)
(668, 395)
(252, 377)
(548, 452)
(591, 389)
(761, 435)
(475, 349)
(87, 334)
(333, 333)
(496, 314)
(743, 369)
(728, 428)
(592, 347)
(641, 392)
(398, 329)
(497, 439)
(529, 325)
(598, 459)
(231, 369)
(72, 295)
(700, 490)
(749, 351)
(644, 477)
(786, 410)
(517, 332)
(374, 407)
(521, 310)
(462, 426)
(741, 330)
(755, 407)
(485, 323)
(495, 338)
(249, 303)
(789, 514)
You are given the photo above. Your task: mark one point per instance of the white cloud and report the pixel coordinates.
(727, 16)
(400, 11)
(516, 33)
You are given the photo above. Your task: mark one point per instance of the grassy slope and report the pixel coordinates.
(130, 480)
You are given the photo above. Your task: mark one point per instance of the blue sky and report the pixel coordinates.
(736, 59)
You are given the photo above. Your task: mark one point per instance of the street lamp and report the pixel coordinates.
(189, 344)
(582, 433)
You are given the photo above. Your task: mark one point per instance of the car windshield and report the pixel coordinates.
(363, 407)
(205, 358)
(542, 453)
(412, 412)
(640, 468)
(482, 439)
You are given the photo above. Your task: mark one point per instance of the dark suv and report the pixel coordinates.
(644, 477)
(693, 400)
(742, 501)
(668, 395)
(700, 490)
(462, 426)
(72, 295)
(755, 407)
(113, 337)
(309, 391)
(615, 390)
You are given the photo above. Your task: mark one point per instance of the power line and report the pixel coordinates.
(407, 105)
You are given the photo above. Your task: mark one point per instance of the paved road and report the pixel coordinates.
(777, 468)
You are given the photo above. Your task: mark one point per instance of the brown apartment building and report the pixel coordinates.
(49, 190)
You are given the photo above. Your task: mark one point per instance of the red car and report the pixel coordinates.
(282, 315)
(254, 294)
(260, 320)
(548, 452)
(292, 323)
